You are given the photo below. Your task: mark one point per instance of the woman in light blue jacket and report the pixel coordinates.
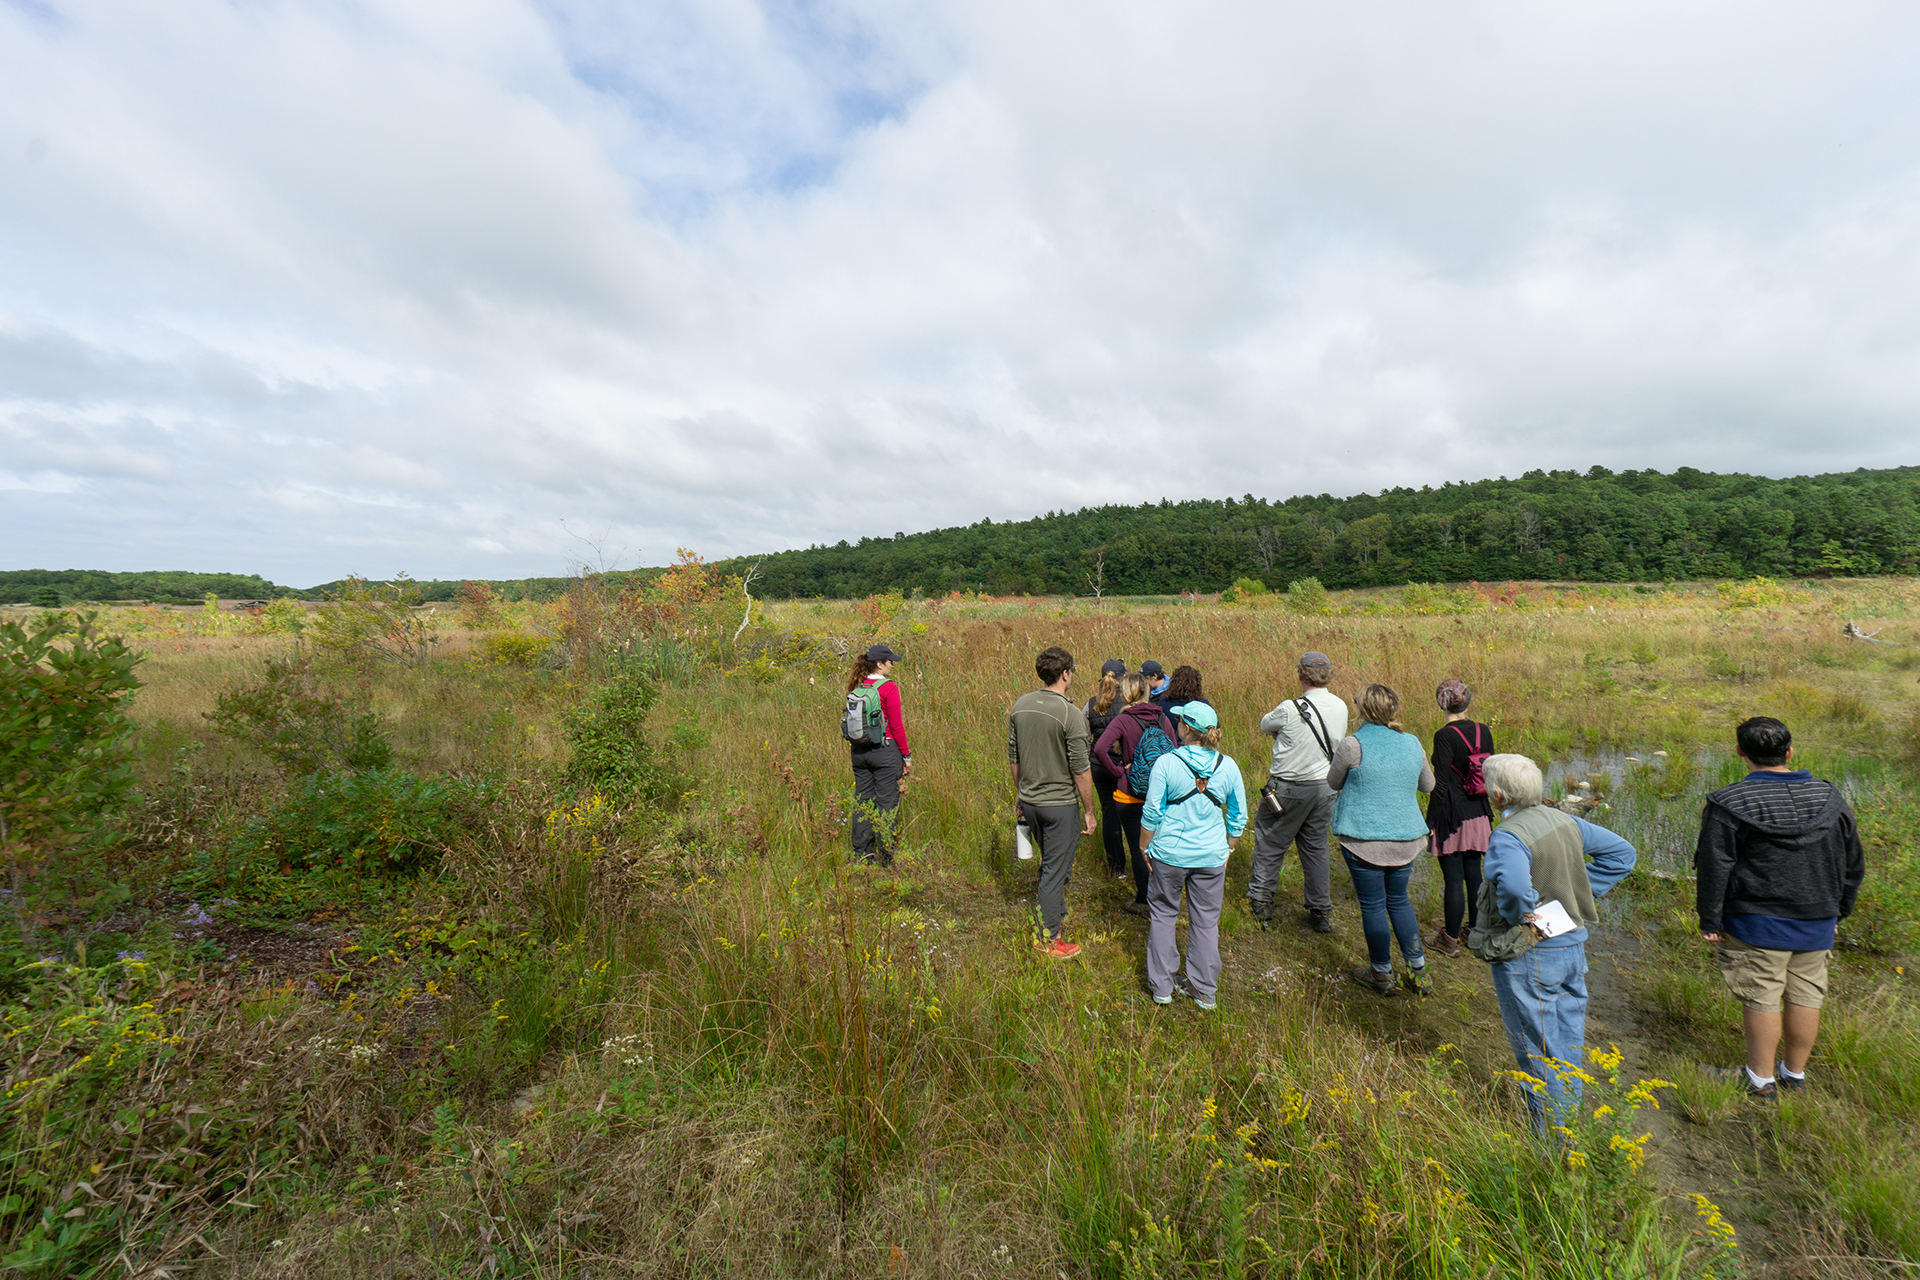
(1379, 771)
(1196, 804)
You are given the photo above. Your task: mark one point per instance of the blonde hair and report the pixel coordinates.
(1192, 737)
(1103, 696)
(1378, 704)
(1134, 688)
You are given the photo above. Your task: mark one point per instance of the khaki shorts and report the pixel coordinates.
(1760, 977)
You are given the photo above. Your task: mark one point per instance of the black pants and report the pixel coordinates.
(1462, 871)
(1130, 825)
(876, 801)
(1110, 835)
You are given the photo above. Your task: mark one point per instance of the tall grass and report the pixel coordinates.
(694, 1041)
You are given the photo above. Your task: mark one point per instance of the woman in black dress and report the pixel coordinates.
(1459, 820)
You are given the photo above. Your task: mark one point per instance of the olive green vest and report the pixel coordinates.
(1559, 859)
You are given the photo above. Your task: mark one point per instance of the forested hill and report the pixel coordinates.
(1599, 526)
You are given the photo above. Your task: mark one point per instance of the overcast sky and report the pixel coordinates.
(309, 287)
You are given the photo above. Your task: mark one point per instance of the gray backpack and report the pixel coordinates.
(1492, 939)
(864, 722)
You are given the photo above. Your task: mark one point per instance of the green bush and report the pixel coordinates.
(380, 821)
(1306, 595)
(65, 758)
(301, 727)
(510, 649)
(608, 736)
(1243, 589)
(44, 598)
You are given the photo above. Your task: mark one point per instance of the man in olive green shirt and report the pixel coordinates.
(1048, 754)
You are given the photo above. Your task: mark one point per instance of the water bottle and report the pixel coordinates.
(1022, 841)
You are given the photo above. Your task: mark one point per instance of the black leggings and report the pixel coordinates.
(1130, 823)
(1110, 841)
(1462, 871)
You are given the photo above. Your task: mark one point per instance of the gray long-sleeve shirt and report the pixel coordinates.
(1047, 738)
(1297, 756)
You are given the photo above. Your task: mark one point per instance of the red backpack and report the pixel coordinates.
(1475, 782)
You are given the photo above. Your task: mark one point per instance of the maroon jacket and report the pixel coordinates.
(1125, 730)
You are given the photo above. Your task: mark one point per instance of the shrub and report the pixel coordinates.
(608, 735)
(301, 727)
(1754, 593)
(1306, 595)
(285, 616)
(1424, 598)
(478, 608)
(511, 649)
(380, 821)
(367, 623)
(1243, 589)
(44, 598)
(64, 732)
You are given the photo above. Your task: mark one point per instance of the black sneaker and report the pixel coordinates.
(1261, 911)
(1140, 909)
(1791, 1084)
(1320, 921)
(1768, 1092)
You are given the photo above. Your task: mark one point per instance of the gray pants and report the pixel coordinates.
(876, 802)
(1307, 816)
(1205, 887)
(1056, 829)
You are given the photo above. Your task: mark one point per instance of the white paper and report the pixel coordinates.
(1552, 919)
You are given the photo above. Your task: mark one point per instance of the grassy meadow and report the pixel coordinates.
(520, 1024)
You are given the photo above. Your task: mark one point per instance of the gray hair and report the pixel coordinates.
(1516, 778)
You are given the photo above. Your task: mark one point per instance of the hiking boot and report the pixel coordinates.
(1319, 921)
(1418, 981)
(1261, 911)
(1137, 909)
(1768, 1092)
(1445, 943)
(1381, 984)
(1060, 949)
(1787, 1082)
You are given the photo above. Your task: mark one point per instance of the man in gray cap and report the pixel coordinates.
(1296, 805)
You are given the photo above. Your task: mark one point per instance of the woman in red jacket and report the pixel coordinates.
(879, 766)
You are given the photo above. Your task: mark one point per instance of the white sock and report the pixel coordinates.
(1758, 1083)
(1789, 1072)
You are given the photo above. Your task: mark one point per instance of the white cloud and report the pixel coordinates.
(310, 288)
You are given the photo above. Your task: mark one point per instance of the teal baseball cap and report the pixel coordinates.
(1198, 714)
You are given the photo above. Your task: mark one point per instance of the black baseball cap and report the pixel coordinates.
(881, 653)
(1151, 668)
(1113, 667)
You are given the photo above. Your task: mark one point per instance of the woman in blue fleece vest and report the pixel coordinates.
(1379, 771)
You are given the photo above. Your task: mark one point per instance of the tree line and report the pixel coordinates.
(1599, 526)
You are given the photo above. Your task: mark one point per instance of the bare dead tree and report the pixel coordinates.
(1098, 578)
(746, 585)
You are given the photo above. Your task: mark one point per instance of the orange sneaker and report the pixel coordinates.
(1060, 949)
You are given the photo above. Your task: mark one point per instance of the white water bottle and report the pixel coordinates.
(1022, 841)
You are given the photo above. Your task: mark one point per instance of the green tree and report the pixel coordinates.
(65, 761)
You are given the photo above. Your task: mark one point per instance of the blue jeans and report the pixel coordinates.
(1543, 1001)
(1386, 912)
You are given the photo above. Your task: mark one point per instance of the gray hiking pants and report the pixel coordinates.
(876, 801)
(1056, 829)
(1307, 816)
(1205, 888)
